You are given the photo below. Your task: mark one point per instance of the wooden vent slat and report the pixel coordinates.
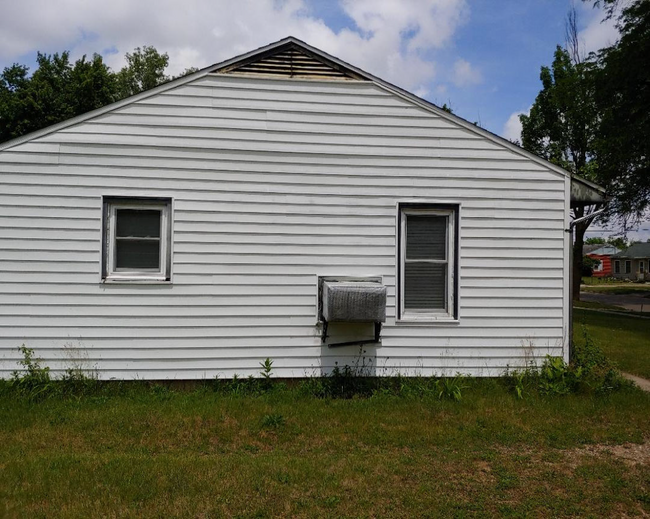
(292, 63)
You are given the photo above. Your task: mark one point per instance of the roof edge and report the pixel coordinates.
(423, 103)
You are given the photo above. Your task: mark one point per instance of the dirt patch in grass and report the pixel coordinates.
(629, 453)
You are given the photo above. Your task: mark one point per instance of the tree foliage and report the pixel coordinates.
(59, 89)
(562, 121)
(145, 69)
(623, 100)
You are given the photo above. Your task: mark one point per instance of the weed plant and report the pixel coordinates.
(589, 371)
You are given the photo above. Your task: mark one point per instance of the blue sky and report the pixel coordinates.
(480, 57)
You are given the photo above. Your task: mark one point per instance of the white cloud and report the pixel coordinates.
(512, 127)
(391, 39)
(464, 74)
(597, 33)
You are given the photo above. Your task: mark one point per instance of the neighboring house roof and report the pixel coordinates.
(604, 250)
(638, 250)
(589, 248)
(263, 59)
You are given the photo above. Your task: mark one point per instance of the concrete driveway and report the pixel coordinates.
(635, 303)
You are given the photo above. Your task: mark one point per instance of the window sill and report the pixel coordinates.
(405, 321)
(135, 281)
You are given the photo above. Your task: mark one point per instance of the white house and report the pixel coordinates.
(181, 233)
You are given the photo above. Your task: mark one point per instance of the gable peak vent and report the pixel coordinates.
(290, 62)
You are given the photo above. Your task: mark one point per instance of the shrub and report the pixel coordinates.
(589, 370)
(33, 381)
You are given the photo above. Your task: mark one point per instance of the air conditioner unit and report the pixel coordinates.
(350, 300)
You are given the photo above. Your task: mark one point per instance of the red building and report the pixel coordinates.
(604, 255)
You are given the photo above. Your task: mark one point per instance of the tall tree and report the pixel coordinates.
(145, 69)
(623, 98)
(561, 126)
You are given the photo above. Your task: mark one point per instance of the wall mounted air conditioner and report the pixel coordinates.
(351, 300)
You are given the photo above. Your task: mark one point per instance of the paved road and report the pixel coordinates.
(627, 301)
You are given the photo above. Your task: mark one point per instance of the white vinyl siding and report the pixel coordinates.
(274, 183)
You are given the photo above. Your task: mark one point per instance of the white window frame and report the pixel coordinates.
(451, 288)
(109, 272)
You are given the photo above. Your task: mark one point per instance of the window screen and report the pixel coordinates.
(425, 266)
(137, 239)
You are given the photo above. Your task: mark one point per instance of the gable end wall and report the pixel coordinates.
(274, 182)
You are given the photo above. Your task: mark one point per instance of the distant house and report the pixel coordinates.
(193, 230)
(602, 253)
(632, 263)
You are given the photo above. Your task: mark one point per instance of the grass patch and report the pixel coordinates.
(641, 289)
(600, 281)
(624, 339)
(594, 305)
(282, 453)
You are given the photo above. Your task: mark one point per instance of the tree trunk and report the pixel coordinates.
(580, 230)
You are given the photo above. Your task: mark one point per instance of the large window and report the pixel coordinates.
(137, 236)
(428, 262)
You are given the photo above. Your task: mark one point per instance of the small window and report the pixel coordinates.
(617, 267)
(137, 236)
(641, 267)
(428, 262)
(628, 267)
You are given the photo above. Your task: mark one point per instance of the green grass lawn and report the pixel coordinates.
(586, 280)
(624, 339)
(594, 305)
(147, 453)
(628, 289)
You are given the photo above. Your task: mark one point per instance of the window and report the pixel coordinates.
(428, 252)
(617, 267)
(137, 237)
(628, 266)
(641, 267)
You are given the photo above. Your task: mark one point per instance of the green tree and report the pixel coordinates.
(92, 85)
(561, 127)
(145, 69)
(56, 91)
(623, 98)
(595, 241)
(619, 242)
(589, 265)
(59, 89)
(13, 80)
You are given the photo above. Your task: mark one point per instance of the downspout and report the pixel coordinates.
(570, 230)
